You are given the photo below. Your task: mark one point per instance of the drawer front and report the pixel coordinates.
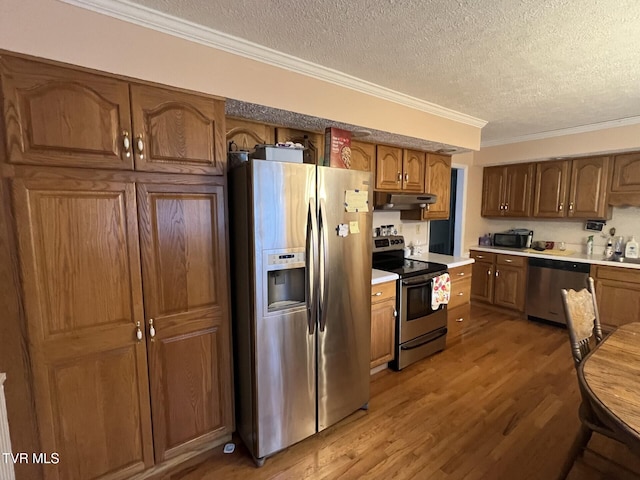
(483, 256)
(460, 273)
(460, 293)
(513, 260)
(620, 274)
(458, 321)
(383, 291)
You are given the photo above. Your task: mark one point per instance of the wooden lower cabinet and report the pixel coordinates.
(617, 294)
(115, 392)
(499, 279)
(383, 323)
(458, 311)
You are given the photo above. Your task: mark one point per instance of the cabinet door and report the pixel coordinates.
(413, 167)
(493, 187)
(184, 255)
(519, 182)
(509, 287)
(482, 281)
(388, 168)
(626, 173)
(59, 116)
(82, 291)
(618, 302)
(383, 328)
(248, 134)
(588, 191)
(550, 199)
(363, 156)
(178, 132)
(438, 182)
(313, 143)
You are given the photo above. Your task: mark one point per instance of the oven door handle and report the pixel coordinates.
(419, 283)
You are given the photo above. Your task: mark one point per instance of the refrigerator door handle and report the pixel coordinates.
(324, 264)
(312, 265)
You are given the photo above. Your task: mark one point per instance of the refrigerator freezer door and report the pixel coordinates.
(285, 350)
(344, 334)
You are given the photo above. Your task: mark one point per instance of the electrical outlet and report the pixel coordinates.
(418, 229)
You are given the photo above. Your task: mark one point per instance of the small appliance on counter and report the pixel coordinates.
(514, 238)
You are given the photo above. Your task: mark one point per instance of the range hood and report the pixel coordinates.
(402, 201)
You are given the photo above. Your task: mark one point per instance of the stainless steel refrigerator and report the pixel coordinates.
(301, 238)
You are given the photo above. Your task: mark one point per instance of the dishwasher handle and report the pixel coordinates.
(565, 265)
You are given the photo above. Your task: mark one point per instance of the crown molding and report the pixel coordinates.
(593, 127)
(149, 18)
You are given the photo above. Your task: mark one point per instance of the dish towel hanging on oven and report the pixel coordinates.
(440, 290)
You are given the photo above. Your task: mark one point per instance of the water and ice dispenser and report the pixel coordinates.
(285, 280)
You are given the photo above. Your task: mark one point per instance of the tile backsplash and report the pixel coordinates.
(626, 221)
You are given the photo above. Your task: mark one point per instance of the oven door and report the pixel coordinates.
(416, 315)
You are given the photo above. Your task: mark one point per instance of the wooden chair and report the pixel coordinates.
(583, 324)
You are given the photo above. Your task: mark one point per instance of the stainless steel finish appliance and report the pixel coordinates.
(420, 330)
(515, 238)
(403, 201)
(302, 299)
(546, 278)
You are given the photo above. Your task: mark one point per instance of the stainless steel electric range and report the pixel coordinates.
(420, 330)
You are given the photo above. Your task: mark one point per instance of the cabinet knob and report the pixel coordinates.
(152, 329)
(138, 332)
(126, 143)
(488, 272)
(461, 294)
(497, 273)
(502, 206)
(140, 146)
(506, 206)
(571, 206)
(377, 294)
(395, 313)
(561, 207)
(459, 319)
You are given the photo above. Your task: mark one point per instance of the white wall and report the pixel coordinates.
(414, 232)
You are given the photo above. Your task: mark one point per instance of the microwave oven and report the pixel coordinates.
(513, 239)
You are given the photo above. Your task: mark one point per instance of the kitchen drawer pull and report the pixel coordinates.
(508, 261)
(459, 319)
(377, 294)
(479, 256)
(461, 294)
(461, 274)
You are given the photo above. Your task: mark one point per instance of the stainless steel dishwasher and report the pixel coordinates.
(546, 278)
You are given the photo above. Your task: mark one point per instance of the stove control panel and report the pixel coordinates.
(381, 244)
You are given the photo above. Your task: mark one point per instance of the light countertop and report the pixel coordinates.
(594, 259)
(380, 276)
(449, 260)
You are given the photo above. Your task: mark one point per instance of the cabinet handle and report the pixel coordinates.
(459, 319)
(502, 206)
(406, 177)
(461, 294)
(395, 313)
(571, 206)
(507, 260)
(152, 329)
(461, 274)
(561, 207)
(489, 272)
(506, 206)
(377, 294)
(140, 146)
(126, 143)
(138, 332)
(427, 207)
(479, 256)
(399, 177)
(497, 273)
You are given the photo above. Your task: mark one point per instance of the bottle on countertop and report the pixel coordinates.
(608, 250)
(631, 249)
(590, 245)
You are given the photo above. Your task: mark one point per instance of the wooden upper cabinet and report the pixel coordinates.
(83, 300)
(177, 132)
(184, 266)
(517, 195)
(247, 134)
(438, 182)
(625, 180)
(363, 156)
(313, 143)
(388, 168)
(550, 199)
(64, 117)
(413, 168)
(588, 190)
(493, 188)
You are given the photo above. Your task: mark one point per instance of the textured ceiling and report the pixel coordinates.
(525, 66)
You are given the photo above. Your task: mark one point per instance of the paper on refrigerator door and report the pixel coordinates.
(354, 227)
(356, 201)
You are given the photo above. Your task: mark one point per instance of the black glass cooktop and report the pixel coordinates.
(395, 262)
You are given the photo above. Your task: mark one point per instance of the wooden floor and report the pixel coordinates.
(500, 404)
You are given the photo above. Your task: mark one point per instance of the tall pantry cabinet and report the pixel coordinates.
(118, 205)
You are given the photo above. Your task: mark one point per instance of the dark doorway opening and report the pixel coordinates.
(442, 232)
